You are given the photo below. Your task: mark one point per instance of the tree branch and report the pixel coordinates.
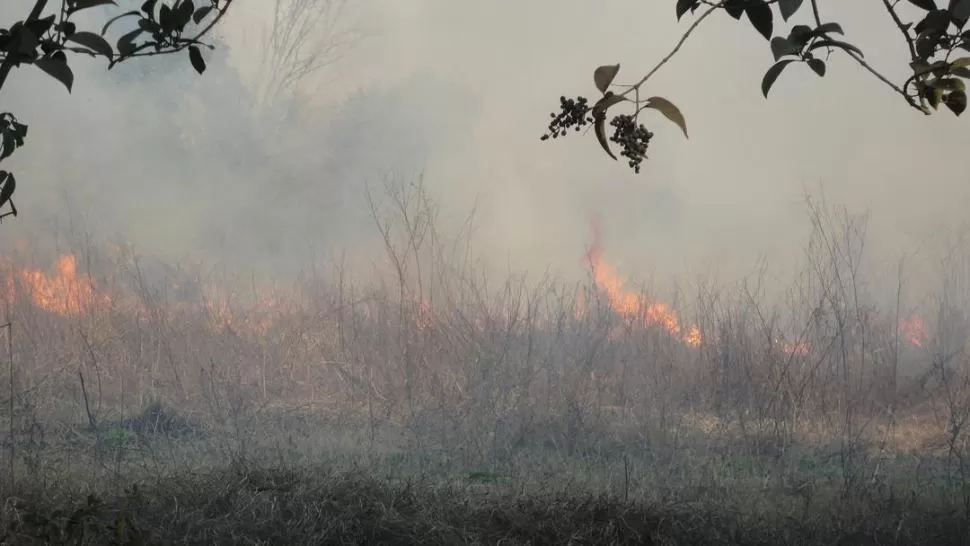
(909, 100)
(914, 56)
(676, 48)
(902, 28)
(8, 60)
(221, 12)
(862, 62)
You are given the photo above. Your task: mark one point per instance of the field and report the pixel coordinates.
(433, 405)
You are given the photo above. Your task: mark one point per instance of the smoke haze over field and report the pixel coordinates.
(183, 166)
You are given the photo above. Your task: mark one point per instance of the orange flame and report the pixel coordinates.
(64, 292)
(629, 304)
(913, 330)
(799, 348)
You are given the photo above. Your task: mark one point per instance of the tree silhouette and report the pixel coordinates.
(46, 37)
(933, 31)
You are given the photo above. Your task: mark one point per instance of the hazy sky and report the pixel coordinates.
(464, 90)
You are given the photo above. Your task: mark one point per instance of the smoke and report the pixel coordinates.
(191, 167)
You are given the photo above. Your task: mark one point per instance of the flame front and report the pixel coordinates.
(913, 330)
(64, 292)
(631, 305)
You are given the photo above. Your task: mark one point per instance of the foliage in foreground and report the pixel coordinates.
(44, 41)
(320, 506)
(934, 37)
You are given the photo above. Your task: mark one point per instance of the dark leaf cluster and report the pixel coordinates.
(932, 41)
(801, 45)
(161, 27)
(633, 138)
(938, 72)
(937, 77)
(12, 135)
(45, 40)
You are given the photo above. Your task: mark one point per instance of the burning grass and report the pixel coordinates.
(431, 406)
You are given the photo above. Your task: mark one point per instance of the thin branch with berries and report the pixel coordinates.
(938, 76)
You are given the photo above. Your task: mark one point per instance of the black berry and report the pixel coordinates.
(633, 138)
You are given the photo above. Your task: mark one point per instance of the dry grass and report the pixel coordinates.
(320, 506)
(434, 406)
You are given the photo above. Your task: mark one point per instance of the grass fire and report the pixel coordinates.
(305, 272)
(460, 392)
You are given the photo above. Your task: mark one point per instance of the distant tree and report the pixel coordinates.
(934, 36)
(301, 38)
(44, 41)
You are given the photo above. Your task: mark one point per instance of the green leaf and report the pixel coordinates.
(836, 43)
(788, 8)
(683, 6)
(78, 5)
(117, 17)
(185, 11)
(960, 9)
(40, 26)
(935, 21)
(800, 35)
(735, 8)
(166, 18)
(599, 126)
(933, 96)
(761, 18)
(599, 118)
(150, 26)
(13, 134)
(149, 8)
(603, 76)
(6, 192)
(925, 45)
(8, 145)
(825, 28)
(937, 68)
(126, 44)
(956, 101)
(93, 42)
(951, 84)
(772, 74)
(25, 43)
(928, 5)
(57, 69)
(669, 110)
(201, 14)
(782, 46)
(609, 100)
(67, 28)
(818, 65)
(81, 50)
(195, 56)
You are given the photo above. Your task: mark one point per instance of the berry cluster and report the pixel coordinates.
(633, 138)
(574, 114)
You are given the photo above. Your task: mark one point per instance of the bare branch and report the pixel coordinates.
(302, 39)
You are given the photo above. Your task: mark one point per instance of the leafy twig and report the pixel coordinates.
(676, 48)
